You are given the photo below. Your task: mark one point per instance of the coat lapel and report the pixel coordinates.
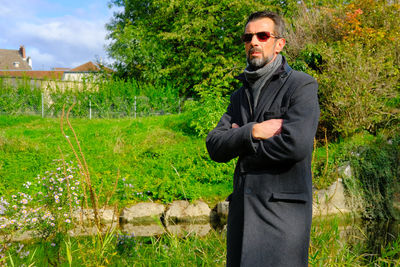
(267, 96)
(246, 109)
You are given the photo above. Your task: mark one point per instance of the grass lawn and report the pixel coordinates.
(157, 158)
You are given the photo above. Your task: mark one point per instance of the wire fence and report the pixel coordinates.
(139, 106)
(111, 99)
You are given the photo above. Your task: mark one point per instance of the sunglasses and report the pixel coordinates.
(261, 36)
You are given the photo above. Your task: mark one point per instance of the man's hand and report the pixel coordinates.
(235, 126)
(267, 129)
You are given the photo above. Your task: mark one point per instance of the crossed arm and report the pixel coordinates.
(285, 139)
(265, 129)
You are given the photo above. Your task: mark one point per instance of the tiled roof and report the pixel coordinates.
(90, 67)
(56, 74)
(34, 74)
(63, 69)
(9, 57)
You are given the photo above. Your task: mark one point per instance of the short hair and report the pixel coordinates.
(279, 24)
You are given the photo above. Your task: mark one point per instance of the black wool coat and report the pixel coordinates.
(270, 209)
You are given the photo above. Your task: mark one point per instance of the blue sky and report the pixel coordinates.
(56, 33)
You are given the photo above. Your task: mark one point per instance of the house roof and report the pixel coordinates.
(9, 59)
(61, 69)
(55, 74)
(90, 67)
(33, 74)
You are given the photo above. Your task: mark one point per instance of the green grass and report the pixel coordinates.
(109, 250)
(156, 157)
(160, 158)
(341, 241)
(330, 246)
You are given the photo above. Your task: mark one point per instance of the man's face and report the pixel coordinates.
(261, 53)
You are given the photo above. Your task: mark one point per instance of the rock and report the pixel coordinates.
(23, 236)
(184, 212)
(86, 216)
(220, 212)
(142, 213)
(345, 170)
(223, 208)
(330, 200)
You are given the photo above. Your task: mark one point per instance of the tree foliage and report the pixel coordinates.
(350, 47)
(193, 43)
(353, 51)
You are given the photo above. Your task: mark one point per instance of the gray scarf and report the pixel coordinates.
(258, 78)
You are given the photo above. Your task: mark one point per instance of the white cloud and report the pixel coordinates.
(53, 38)
(5, 10)
(45, 58)
(21, 9)
(68, 30)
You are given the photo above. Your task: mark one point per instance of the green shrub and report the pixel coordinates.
(204, 114)
(353, 51)
(376, 170)
(19, 96)
(108, 97)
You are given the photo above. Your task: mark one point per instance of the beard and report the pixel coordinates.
(258, 62)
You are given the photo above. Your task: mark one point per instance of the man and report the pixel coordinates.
(270, 125)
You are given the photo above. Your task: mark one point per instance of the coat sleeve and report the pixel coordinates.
(225, 143)
(298, 130)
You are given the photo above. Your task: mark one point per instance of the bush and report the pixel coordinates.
(204, 114)
(353, 51)
(376, 169)
(107, 98)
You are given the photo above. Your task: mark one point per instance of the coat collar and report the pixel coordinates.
(276, 82)
(282, 72)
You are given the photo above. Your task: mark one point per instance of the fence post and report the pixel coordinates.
(179, 107)
(134, 105)
(42, 105)
(90, 110)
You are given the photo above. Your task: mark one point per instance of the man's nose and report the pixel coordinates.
(254, 40)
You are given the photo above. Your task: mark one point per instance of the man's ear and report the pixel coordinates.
(280, 43)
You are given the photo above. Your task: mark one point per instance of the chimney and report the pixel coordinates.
(22, 51)
(29, 60)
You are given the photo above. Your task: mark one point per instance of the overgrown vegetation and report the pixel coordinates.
(334, 243)
(352, 49)
(107, 97)
(375, 178)
(331, 245)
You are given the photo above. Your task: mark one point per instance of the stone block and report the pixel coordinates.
(86, 216)
(184, 212)
(331, 200)
(142, 213)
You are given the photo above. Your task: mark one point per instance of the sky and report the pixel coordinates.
(56, 33)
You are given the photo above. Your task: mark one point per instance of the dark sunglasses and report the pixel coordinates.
(261, 36)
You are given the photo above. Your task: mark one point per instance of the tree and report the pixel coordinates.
(195, 44)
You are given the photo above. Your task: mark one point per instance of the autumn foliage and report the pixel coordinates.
(354, 53)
